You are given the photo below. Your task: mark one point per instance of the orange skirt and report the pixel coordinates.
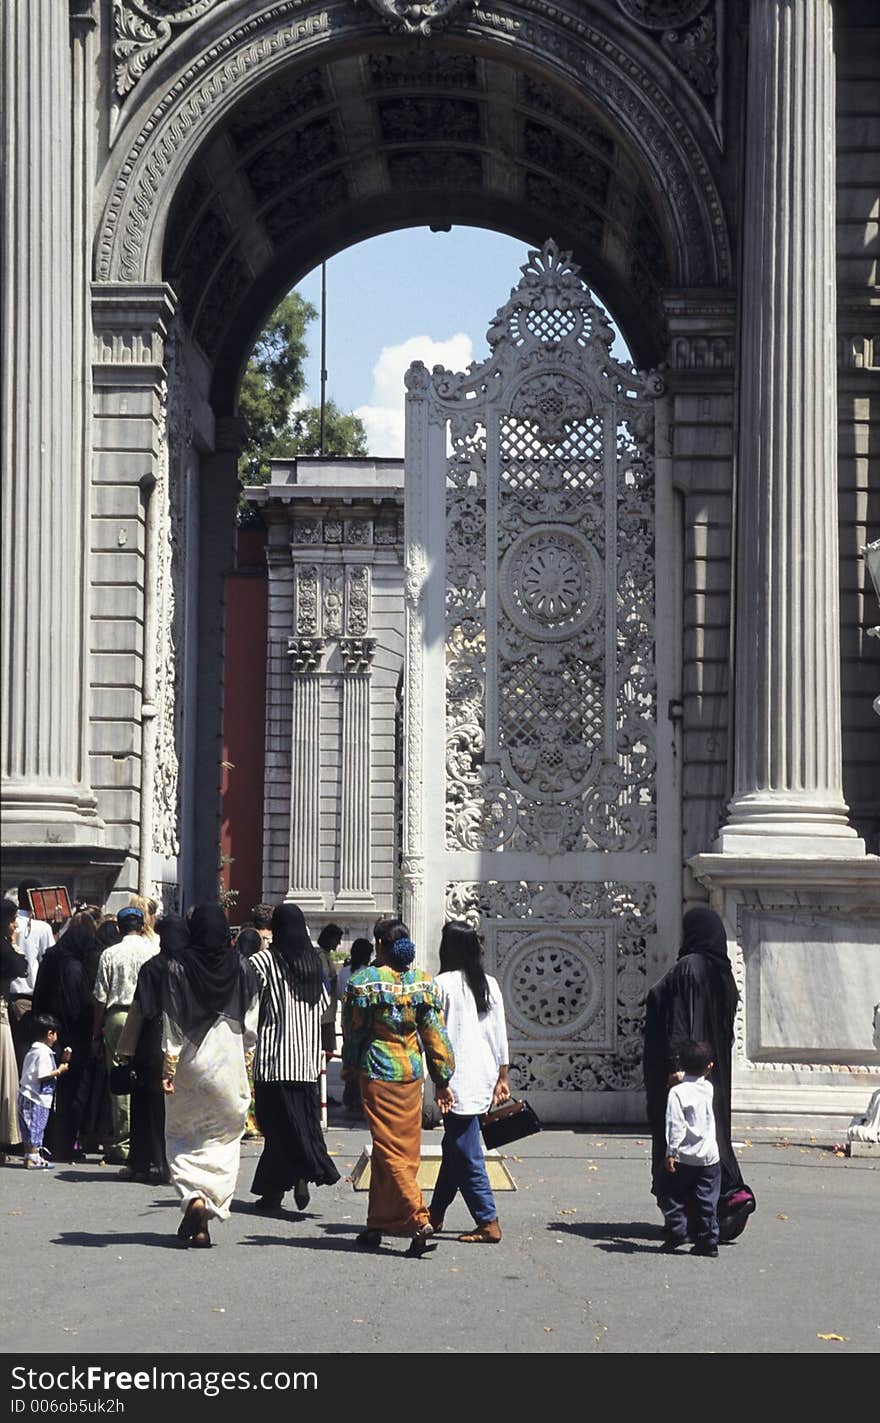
(394, 1115)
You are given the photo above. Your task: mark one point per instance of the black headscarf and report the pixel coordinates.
(173, 934)
(292, 945)
(63, 986)
(249, 942)
(210, 977)
(703, 932)
(173, 937)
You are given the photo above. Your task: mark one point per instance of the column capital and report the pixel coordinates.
(305, 654)
(356, 653)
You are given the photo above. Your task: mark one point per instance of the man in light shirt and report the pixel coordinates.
(34, 938)
(118, 969)
(693, 1165)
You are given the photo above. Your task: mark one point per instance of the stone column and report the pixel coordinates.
(354, 865)
(788, 775)
(46, 795)
(305, 774)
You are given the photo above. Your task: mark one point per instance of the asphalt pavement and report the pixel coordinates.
(91, 1263)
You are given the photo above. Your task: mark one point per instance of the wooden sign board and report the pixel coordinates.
(50, 903)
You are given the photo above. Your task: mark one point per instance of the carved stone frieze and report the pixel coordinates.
(359, 532)
(306, 600)
(416, 18)
(170, 499)
(662, 14)
(142, 29)
(358, 601)
(333, 599)
(305, 654)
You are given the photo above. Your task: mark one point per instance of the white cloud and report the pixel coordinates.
(383, 417)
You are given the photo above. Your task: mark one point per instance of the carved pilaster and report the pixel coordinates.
(788, 775)
(354, 866)
(46, 793)
(305, 773)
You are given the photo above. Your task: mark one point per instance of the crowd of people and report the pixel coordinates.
(163, 1044)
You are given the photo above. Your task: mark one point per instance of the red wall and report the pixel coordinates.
(244, 719)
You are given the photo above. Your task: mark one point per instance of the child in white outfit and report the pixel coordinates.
(693, 1168)
(36, 1089)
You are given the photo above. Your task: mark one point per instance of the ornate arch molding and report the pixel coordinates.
(237, 60)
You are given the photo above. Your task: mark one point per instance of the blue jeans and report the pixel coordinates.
(692, 1191)
(463, 1169)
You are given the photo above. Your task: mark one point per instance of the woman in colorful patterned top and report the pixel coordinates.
(392, 1015)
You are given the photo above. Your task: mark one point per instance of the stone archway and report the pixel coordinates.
(245, 149)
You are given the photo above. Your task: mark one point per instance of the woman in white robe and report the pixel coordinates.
(209, 1025)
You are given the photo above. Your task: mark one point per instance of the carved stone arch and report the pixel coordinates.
(187, 102)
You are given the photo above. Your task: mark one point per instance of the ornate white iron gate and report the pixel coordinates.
(539, 789)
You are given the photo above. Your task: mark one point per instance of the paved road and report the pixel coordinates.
(90, 1263)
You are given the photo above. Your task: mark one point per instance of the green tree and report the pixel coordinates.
(273, 383)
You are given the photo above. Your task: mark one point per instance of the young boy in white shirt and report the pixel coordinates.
(693, 1167)
(36, 1088)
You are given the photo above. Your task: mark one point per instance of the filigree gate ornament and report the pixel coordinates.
(538, 616)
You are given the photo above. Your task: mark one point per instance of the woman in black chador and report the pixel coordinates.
(696, 1000)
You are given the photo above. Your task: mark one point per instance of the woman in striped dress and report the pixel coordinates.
(294, 993)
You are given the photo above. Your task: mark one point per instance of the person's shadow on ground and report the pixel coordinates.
(617, 1237)
(94, 1241)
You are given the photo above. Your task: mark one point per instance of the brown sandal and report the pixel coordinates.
(487, 1234)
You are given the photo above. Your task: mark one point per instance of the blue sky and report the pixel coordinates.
(408, 295)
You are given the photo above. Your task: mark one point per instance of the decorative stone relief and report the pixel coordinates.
(170, 501)
(688, 35)
(570, 959)
(661, 14)
(307, 531)
(333, 531)
(416, 19)
(358, 618)
(359, 532)
(333, 597)
(142, 29)
(306, 597)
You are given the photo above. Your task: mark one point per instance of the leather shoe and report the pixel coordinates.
(301, 1194)
(421, 1242)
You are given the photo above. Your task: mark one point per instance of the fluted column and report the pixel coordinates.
(305, 774)
(788, 773)
(354, 861)
(46, 797)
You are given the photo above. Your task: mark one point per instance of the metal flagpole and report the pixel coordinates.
(323, 353)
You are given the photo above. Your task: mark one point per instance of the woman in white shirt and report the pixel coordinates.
(474, 1014)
